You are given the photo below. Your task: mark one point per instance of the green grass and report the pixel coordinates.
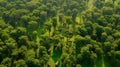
(102, 63)
(56, 55)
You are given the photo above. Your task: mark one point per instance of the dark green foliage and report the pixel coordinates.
(59, 33)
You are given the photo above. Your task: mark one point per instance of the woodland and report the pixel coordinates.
(59, 33)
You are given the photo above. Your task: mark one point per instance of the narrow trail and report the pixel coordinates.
(51, 62)
(103, 62)
(53, 55)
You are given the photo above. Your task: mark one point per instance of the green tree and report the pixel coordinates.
(32, 25)
(43, 16)
(43, 56)
(108, 30)
(89, 27)
(74, 14)
(80, 42)
(20, 63)
(33, 63)
(87, 56)
(16, 33)
(16, 15)
(107, 47)
(117, 9)
(99, 29)
(5, 36)
(82, 31)
(103, 37)
(7, 61)
(107, 10)
(23, 40)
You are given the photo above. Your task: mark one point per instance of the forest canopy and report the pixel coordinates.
(59, 33)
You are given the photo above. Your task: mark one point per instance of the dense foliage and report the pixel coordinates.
(59, 33)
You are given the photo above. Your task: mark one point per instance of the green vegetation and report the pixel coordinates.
(59, 33)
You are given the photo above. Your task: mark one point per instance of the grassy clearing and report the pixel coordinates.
(56, 55)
